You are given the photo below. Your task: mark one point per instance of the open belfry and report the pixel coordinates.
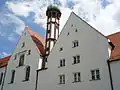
(53, 16)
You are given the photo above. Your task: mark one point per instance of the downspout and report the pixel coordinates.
(36, 80)
(110, 74)
(4, 78)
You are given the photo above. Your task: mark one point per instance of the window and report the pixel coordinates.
(76, 76)
(23, 44)
(1, 77)
(29, 52)
(95, 74)
(72, 25)
(61, 49)
(68, 33)
(76, 59)
(62, 62)
(13, 76)
(62, 79)
(76, 30)
(27, 73)
(75, 43)
(21, 61)
(15, 57)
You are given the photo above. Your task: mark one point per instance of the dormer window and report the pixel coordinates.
(23, 44)
(21, 61)
(75, 43)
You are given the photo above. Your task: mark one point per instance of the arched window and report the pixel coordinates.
(13, 76)
(21, 61)
(27, 73)
(1, 77)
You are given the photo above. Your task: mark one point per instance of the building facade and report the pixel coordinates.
(79, 58)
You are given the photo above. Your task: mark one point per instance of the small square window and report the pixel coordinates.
(23, 44)
(29, 52)
(76, 30)
(77, 77)
(61, 49)
(75, 43)
(95, 74)
(68, 33)
(76, 59)
(72, 25)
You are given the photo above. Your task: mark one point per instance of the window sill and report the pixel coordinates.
(61, 83)
(76, 81)
(10, 83)
(20, 66)
(25, 80)
(60, 66)
(75, 63)
(94, 80)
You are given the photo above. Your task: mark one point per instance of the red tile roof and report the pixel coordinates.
(4, 61)
(115, 39)
(38, 40)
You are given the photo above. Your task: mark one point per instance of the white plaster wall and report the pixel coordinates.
(115, 67)
(2, 70)
(31, 60)
(93, 50)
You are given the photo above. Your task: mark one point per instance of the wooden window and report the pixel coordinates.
(77, 77)
(62, 62)
(75, 43)
(21, 61)
(62, 79)
(95, 74)
(13, 76)
(76, 59)
(27, 73)
(1, 78)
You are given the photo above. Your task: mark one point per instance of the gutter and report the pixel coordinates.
(110, 74)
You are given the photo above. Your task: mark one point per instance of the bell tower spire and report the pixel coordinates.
(53, 16)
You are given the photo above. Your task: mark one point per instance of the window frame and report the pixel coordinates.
(95, 74)
(62, 79)
(76, 77)
(75, 43)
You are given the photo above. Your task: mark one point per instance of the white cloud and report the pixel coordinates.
(21, 9)
(11, 37)
(4, 54)
(106, 20)
(10, 19)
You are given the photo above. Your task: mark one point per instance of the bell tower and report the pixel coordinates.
(53, 16)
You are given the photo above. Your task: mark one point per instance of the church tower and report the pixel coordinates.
(53, 16)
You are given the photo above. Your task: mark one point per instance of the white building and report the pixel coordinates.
(78, 60)
(21, 69)
(3, 68)
(114, 62)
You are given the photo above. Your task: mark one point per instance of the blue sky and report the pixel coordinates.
(16, 14)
